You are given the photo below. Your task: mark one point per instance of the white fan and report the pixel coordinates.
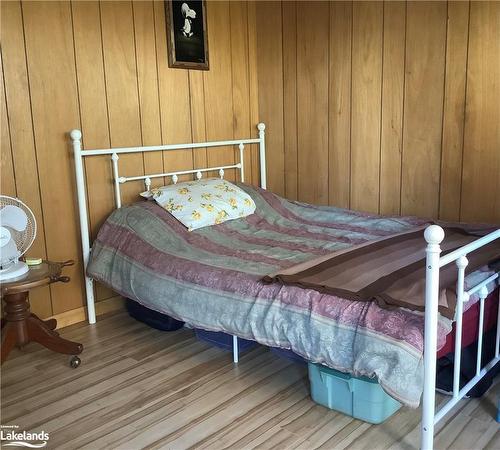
(17, 233)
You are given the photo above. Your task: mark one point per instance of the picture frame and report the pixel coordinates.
(187, 37)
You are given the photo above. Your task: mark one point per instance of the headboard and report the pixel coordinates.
(118, 180)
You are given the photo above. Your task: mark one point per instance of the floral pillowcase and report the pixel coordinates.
(201, 203)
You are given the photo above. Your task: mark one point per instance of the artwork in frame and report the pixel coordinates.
(187, 34)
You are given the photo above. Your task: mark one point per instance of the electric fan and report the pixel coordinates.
(17, 233)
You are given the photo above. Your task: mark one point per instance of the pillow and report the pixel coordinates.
(201, 203)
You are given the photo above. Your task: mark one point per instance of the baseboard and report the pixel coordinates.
(80, 314)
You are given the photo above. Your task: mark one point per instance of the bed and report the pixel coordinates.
(212, 279)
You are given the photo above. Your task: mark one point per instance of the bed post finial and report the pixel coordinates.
(262, 154)
(434, 235)
(76, 135)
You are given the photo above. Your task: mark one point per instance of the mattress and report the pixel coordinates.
(470, 324)
(211, 279)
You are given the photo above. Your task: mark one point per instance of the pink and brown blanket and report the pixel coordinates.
(390, 270)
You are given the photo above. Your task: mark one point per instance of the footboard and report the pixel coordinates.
(434, 235)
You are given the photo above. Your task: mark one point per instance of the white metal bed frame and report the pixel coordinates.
(434, 235)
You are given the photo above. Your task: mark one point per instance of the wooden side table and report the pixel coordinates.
(20, 326)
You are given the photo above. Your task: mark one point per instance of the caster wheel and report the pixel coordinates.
(75, 362)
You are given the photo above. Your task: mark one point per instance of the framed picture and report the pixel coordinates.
(187, 34)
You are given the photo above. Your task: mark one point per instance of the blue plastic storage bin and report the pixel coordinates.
(288, 354)
(223, 340)
(359, 397)
(152, 318)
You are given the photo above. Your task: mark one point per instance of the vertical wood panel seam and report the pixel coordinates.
(465, 114)
(328, 100)
(234, 151)
(442, 111)
(296, 105)
(76, 66)
(87, 200)
(204, 117)
(34, 141)
(163, 136)
(403, 114)
(191, 111)
(32, 120)
(350, 107)
(8, 123)
(204, 114)
(283, 100)
(381, 107)
(248, 148)
(250, 125)
(297, 183)
(193, 150)
(105, 76)
(158, 81)
(137, 83)
(285, 154)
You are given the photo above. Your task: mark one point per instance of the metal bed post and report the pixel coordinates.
(76, 137)
(242, 164)
(497, 342)
(434, 235)
(116, 180)
(461, 263)
(483, 293)
(262, 155)
(236, 356)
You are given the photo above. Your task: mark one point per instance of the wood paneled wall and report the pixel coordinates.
(390, 107)
(102, 67)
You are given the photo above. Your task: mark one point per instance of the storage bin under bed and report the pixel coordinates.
(222, 340)
(359, 397)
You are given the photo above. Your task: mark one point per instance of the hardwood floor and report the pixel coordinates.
(142, 388)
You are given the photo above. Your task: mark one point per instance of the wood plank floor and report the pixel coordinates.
(142, 388)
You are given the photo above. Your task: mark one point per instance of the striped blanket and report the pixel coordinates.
(211, 279)
(390, 271)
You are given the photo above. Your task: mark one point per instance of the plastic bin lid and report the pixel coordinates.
(345, 376)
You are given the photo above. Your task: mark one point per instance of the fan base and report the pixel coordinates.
(16, 270)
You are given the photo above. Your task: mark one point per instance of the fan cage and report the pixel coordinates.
(23, 239)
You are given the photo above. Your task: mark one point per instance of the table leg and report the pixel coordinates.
(39, 332)
(51, 324)
(20, 326)
(16, 311)
(9, 339)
